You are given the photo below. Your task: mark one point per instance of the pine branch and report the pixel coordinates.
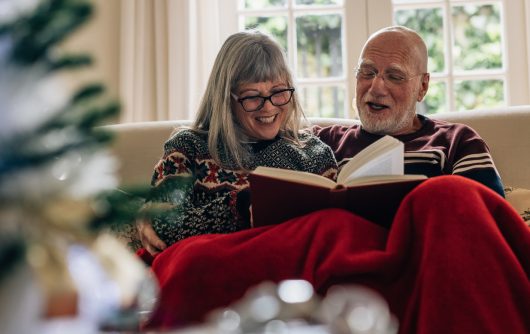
(34, 35)
(16, 160)
(12, 251)
(69, 62)
(67, 115)
(87, 92)
(118, 207)
(125, 206)
(19, 152)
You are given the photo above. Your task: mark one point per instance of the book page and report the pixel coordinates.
(378, 179)
(390, 163)
(295, 176)
(383, 157)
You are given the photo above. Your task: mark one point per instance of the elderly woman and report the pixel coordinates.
(249, 116)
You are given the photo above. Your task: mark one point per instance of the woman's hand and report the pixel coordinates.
(150, 240)
(146, 233)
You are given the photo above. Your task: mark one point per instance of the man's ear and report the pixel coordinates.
(424, 86)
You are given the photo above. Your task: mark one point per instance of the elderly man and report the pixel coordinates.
(391, 78)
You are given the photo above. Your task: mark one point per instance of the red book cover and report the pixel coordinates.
(276, 200)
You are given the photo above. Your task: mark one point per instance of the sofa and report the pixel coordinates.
(138, 146)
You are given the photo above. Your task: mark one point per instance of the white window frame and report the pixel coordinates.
(364, 17)
(515, 81)
(517, 49)
(356, 29)
(292, 12)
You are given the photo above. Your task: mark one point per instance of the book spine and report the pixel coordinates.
(338, 197)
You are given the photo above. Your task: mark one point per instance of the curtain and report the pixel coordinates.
(527, 20)
(167, 50)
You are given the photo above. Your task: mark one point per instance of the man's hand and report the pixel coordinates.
(150, 240)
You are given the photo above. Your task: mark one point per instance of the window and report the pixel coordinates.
(466, 57)
(312, 33)
(478, 57)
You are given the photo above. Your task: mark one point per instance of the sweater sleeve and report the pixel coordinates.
(179, 179)
(473, 160)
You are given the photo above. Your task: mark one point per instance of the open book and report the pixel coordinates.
(371, 184)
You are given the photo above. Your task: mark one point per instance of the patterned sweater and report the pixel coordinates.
(210, 203)
(438, 148)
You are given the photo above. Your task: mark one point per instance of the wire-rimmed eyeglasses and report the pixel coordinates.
(390, 77)
(256, 102)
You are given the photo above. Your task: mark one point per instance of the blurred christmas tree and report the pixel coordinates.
(57, 183)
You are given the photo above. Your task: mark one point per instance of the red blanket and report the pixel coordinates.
(456, 260)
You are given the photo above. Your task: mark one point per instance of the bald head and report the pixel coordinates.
(411, 44)
(392, 77)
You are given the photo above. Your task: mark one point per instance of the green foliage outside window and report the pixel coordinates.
(319, 55)
(429, 24)
(435, 100)
(262, 4)
(470, 94)
(276, 26)
(477, 34)
(477, 46)
(319, 46)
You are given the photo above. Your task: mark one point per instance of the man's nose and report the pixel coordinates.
(378, 85)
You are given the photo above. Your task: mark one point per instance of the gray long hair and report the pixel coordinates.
(245, 57)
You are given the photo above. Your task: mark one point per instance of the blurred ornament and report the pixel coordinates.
(270, 308)
(102, 286)
(355, 310)
(291, 307)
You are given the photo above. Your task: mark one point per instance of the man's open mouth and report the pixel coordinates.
(376, 106)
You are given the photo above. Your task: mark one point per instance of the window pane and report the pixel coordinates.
(412, 1)
(319, 46)
(435, 100)
(479, 94)
(322, 101)
(429, 24)
(477, 33)
(275, 26)
(319, 2)
(262, 4)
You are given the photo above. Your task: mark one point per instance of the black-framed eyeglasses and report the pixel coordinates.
(256, 102)
(390, 77)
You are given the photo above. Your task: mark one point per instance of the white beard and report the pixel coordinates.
(387, 125)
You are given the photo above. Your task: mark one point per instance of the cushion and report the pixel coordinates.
(519, 198)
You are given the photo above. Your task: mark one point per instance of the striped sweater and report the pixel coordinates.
(438, 148)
